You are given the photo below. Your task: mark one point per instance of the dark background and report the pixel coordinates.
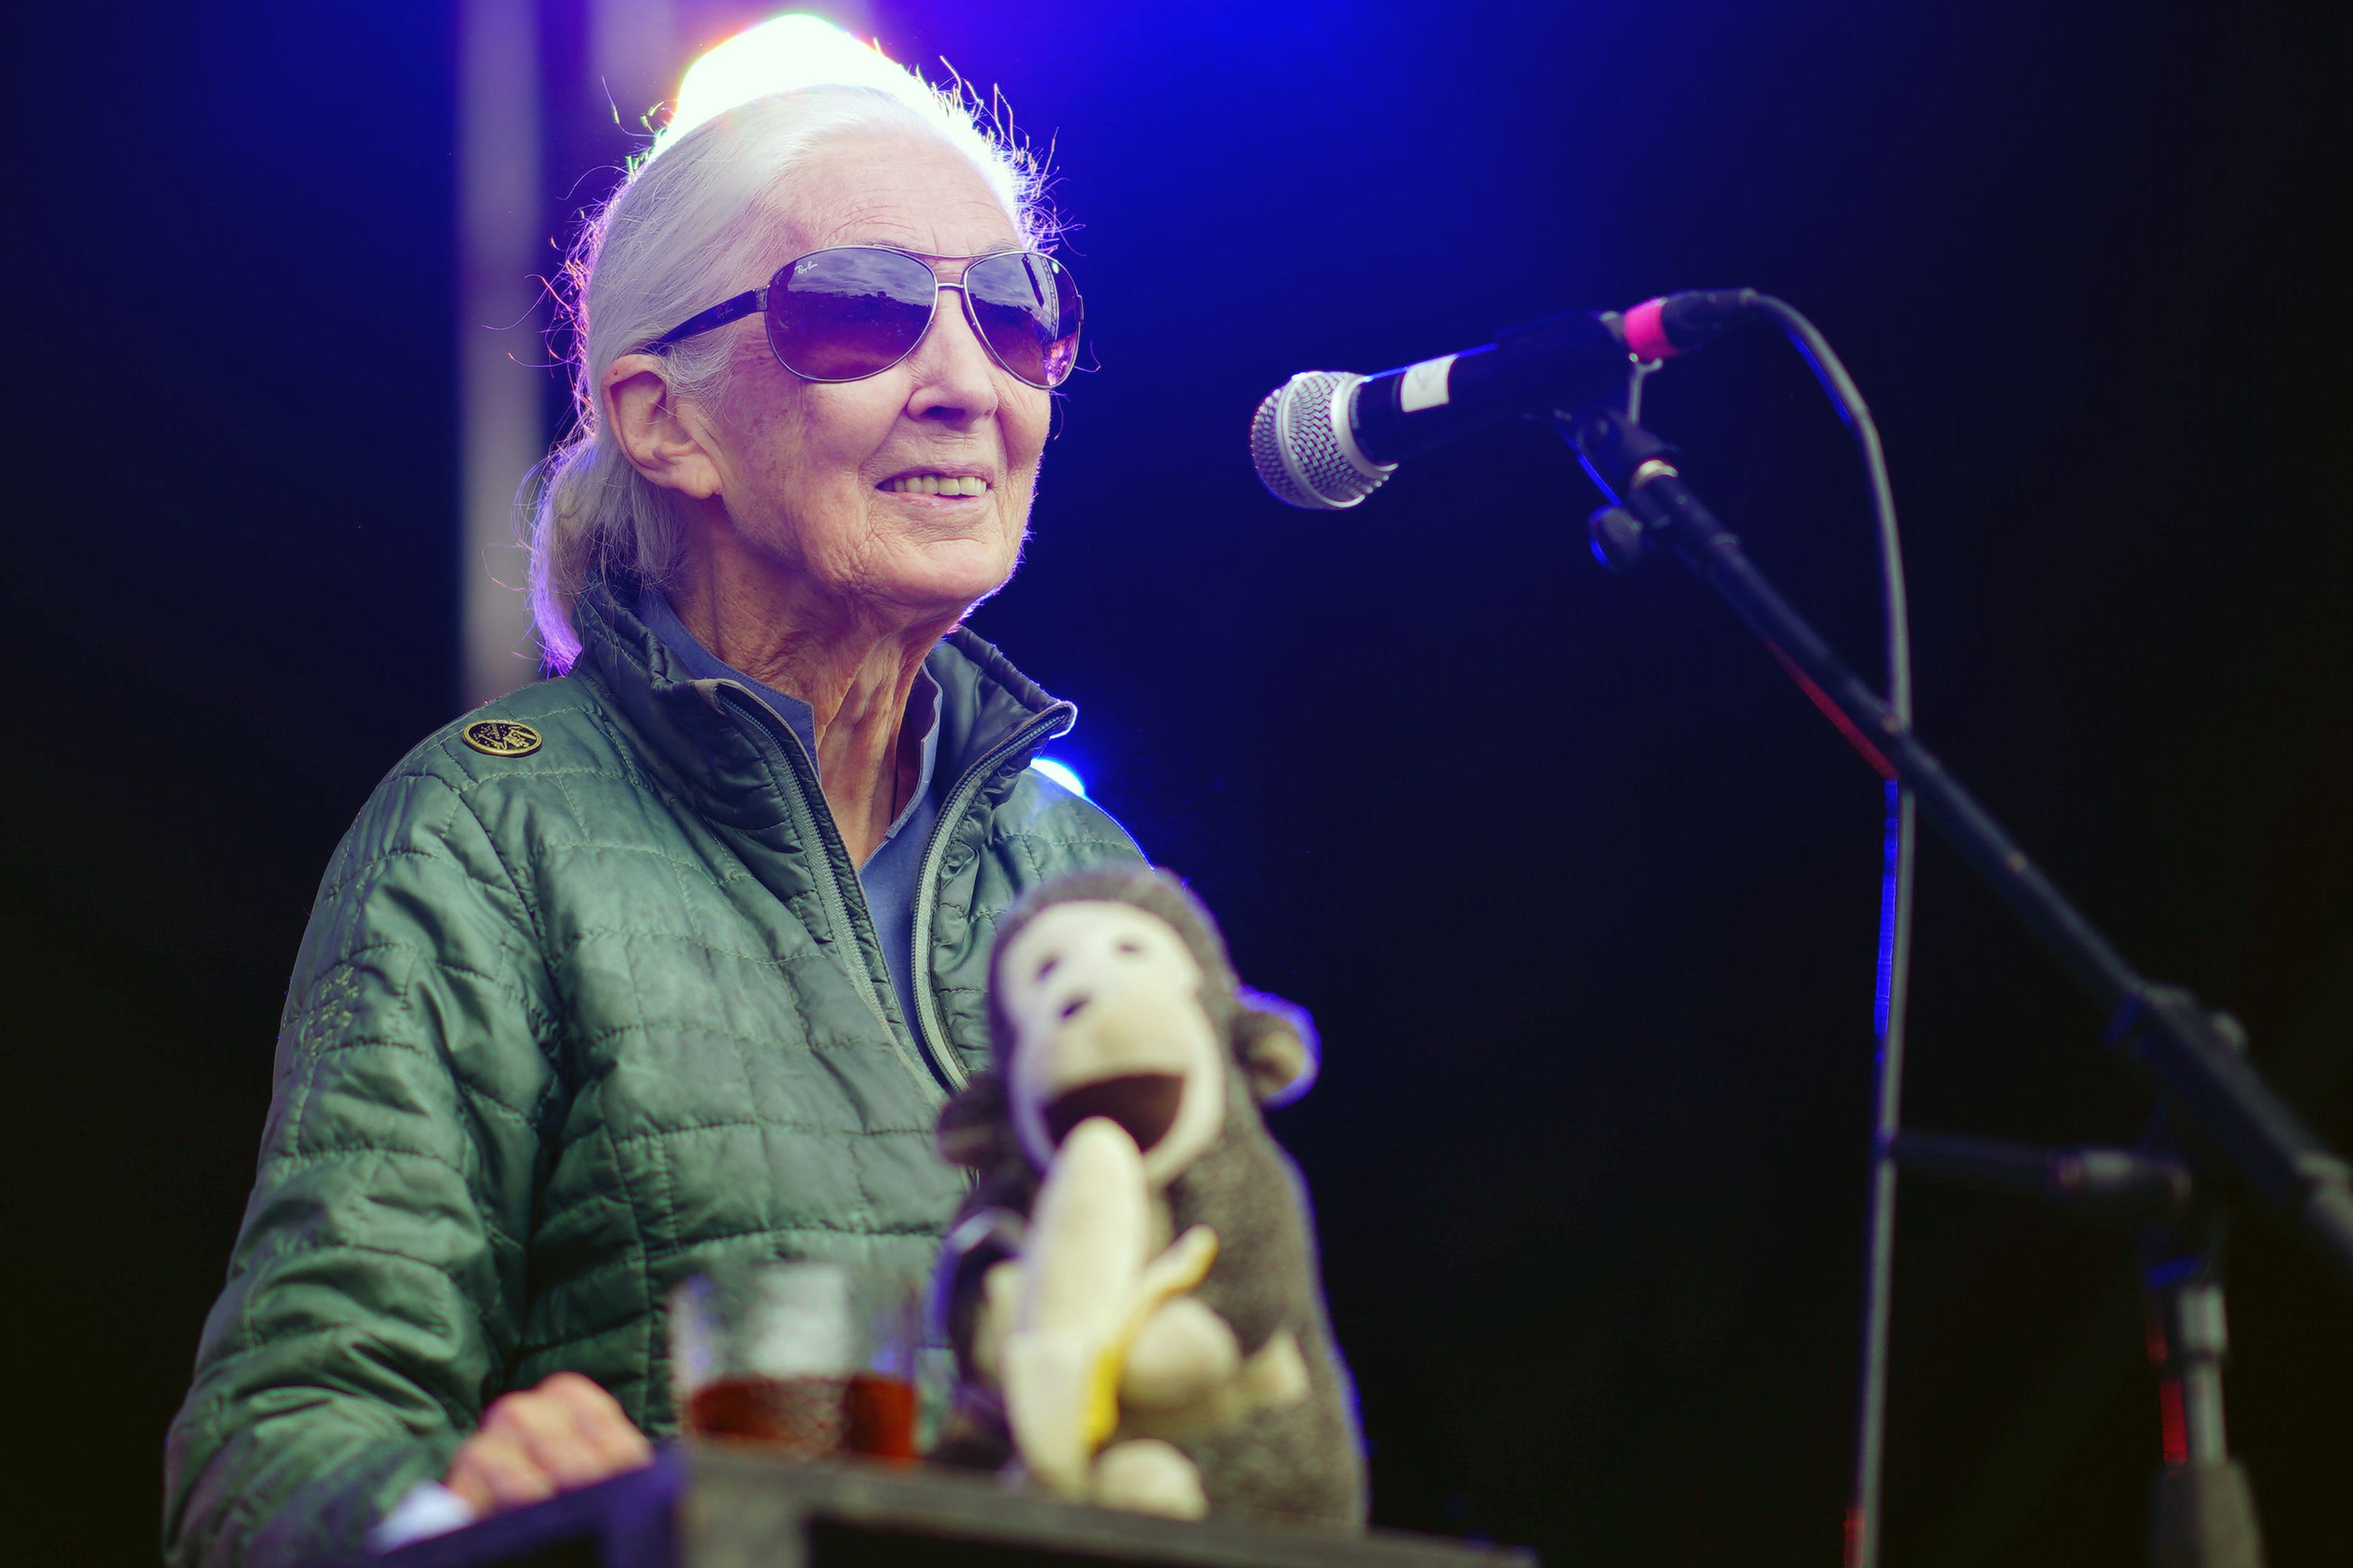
(1581, 891)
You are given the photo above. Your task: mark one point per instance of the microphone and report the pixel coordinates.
(1326, 438)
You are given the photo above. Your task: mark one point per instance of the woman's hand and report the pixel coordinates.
(565, 1434)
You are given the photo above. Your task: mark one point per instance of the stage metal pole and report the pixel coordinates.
(501, 255)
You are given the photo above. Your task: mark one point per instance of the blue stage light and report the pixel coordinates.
(1062, 774)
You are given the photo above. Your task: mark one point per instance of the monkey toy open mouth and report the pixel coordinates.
(1144, 1103)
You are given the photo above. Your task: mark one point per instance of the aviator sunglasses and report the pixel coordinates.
(854, 310)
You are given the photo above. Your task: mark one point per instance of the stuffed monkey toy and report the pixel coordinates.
(1132, 1288)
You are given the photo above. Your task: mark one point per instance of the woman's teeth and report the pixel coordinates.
(937, 484)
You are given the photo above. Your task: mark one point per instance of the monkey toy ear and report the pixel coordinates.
(975, 1127)
(1274, 1042)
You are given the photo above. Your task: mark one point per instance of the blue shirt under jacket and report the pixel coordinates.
(890, 874)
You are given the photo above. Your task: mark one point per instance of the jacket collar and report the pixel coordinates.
(700, 747)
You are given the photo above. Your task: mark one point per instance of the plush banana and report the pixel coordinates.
(1083, 1288)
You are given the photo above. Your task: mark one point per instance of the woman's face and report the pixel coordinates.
(807, 471)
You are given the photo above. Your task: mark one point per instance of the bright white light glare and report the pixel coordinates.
(778, 55)
(1061, 774)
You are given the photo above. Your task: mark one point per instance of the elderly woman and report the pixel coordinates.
(671, 959)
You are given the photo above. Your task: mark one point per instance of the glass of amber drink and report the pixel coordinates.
(806, 1357)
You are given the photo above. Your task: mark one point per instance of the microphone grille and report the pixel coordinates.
(1300, 448)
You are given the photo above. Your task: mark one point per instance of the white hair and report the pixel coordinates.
(693, 224)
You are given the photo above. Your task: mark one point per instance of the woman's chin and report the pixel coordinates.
(946, 578)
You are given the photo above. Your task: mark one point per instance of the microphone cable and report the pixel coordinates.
(1893, 989)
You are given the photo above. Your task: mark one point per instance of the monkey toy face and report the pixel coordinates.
(1104, 1002)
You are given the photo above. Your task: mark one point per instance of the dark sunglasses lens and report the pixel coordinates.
(1026, 306)
(838, 315)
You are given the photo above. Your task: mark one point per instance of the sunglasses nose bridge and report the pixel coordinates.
(971, 313)
(969, 316)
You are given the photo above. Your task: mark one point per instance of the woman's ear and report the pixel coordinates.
(1275, 1044)
(664, 440)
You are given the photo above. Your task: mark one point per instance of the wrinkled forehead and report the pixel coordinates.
(897, 187)
(1094, 927)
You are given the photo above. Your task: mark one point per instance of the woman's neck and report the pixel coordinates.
(854, 665)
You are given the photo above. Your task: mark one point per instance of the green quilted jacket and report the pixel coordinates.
(567, 1026)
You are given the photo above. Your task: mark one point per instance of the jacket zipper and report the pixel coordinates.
(929, 1031)
(829, 892)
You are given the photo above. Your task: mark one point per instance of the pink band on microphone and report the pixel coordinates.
(1646, 334)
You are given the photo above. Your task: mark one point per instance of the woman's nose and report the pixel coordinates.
(955, 378)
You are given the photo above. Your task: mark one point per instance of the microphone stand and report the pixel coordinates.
(2203, 1511)
(2245, 1141)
